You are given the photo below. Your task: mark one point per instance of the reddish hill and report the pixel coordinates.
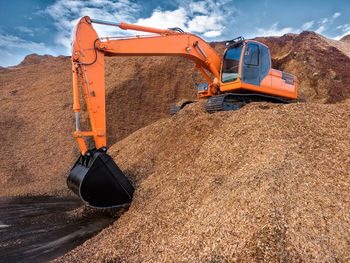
(345, 39)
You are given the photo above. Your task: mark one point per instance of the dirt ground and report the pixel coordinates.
(41, 228)
(265, 183)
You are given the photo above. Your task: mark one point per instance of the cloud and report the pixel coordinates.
(321, 29)
(212, 33)
(199, 7)
(337, 14)
(24, 29)
(7, 41)
(203, 24)
(66, 14)
(307, 25)
(345, 30)
(324, 23)
(275, 31)
(166, 19)
(204, 17)
(12, 54)
(193, 17)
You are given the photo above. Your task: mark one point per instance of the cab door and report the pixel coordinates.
(250, 64)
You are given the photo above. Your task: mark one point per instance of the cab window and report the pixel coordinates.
(251, 55)
(230, 64)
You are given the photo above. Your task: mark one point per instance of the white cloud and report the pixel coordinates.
(212, 33)
(199, 7)
(324, 23)
(345, 30)
(7, 41)
(204, 17)
(202, 24)
(275, 31)
(13, 49)
(337, 14)
(307, 25)
(321, 29)
(166, 19)
(66, 14)
(25, 30)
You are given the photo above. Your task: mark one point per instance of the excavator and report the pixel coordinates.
(243, 75)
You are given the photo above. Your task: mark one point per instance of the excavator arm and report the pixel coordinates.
(88, 65)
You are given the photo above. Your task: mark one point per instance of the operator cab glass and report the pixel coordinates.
(230, 64)
(256, 63)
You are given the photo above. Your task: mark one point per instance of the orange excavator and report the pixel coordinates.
(243, 75)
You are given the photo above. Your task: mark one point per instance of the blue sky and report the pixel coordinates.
(45, 27)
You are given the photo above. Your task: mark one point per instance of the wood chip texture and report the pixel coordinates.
(267, 183)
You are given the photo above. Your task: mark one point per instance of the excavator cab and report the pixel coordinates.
(246, 69)
(248, 61)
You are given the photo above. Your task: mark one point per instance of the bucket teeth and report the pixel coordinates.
(99, 182)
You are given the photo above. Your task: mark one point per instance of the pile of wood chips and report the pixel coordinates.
(266, 183)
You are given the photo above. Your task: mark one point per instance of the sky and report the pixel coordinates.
(46, 26)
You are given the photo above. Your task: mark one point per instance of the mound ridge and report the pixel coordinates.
(33, 59)
(267, 183)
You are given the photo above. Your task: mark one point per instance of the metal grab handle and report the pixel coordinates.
(197, 46)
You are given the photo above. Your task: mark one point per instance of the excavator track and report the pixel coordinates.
(231, 101)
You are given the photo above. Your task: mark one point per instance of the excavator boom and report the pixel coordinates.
(88, 61)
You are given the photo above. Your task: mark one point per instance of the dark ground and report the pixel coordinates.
(38, 229)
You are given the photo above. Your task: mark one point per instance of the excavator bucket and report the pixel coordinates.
(99, 182)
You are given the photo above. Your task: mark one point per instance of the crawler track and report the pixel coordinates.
(232, 101)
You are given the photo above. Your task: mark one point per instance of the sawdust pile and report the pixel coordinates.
(37, 148)
(267, 183)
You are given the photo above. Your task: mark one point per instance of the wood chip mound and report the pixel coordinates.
(266, 183)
